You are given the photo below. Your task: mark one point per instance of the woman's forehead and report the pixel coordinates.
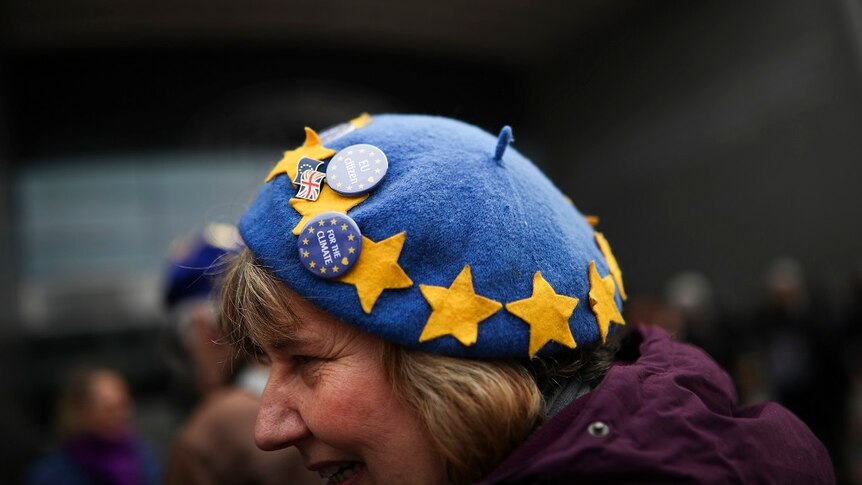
(309, 326)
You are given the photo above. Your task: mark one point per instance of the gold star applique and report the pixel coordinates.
(311, 148)
(377, 269)
(362, 120)
(613, 266)
(329, 200)
(547, 314)
(457, 310)
(602, 301)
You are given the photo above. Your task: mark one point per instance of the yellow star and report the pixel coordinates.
(335, 269)
(351, 250)
(377, 269)
(311, 148)
(312, 264)
(323, 269)
(311, 230)
(305, 253)
(321, 223)
(305, 241)
(344, 227)
(333, 221)
(613, 266)
(329, 200)
(602, 301)
(457, 310)
(361, 120)
(351, 237)
(547, 314)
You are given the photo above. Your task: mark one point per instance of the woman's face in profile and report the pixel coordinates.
(328, 395)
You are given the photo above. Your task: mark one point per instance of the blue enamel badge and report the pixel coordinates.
(330, 244)
(356, 169)
(303, 165)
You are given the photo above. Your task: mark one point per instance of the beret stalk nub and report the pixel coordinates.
(503, 141)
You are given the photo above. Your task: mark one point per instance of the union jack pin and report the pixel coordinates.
(309, 185)
(303, 165)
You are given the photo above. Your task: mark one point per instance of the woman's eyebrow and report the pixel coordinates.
(294, 343)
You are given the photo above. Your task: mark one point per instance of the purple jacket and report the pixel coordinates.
(668, 417)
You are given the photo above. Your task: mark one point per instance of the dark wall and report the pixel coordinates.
(715, 136)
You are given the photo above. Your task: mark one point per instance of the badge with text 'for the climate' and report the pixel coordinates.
(330, 244)
(356, 170)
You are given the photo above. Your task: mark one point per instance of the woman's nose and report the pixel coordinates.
(279, 423)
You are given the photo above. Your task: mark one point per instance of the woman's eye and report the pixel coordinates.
(303, 359)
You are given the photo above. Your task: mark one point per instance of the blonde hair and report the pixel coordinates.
(476, 412)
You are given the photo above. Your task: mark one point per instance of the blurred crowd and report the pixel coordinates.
(96, 439)
(796, 347)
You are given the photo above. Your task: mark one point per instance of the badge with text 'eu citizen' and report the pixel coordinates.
(329, 245)
(356, 169)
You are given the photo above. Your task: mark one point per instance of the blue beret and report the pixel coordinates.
(193, 262)
(467, 249)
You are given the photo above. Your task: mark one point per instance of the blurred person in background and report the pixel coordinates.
(216, 444)
(853, 363)
(99, 445)
(690, 296)
(801, 367)
(448, 316)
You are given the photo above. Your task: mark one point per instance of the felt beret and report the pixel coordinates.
(466, 248)
(193, 262)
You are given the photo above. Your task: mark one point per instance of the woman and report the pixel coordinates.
(436, 311)
(100, 445)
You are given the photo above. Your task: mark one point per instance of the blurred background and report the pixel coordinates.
(720, 143)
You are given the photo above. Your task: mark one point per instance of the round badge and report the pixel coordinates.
(356, 169)
(329, 244)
